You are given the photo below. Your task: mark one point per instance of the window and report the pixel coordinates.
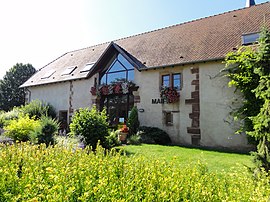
(250, 38)
(48, 74)
(68, 71)
(166, 80)
(171, 80)
(119, 70)
(87, 67)
(176, 81)
(168, 118)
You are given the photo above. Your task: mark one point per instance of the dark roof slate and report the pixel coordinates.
(205, 39)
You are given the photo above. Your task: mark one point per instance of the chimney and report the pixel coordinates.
(250, 3)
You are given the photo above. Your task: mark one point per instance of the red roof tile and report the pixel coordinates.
(200, 40)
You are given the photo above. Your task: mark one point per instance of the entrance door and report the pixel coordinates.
(118, 107)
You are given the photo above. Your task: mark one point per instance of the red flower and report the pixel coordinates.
(93, 91)
(117, 88)
(124, 129)
(170, 94)
(105, 90)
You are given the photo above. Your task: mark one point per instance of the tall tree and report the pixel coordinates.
(249, 71)
(10, 93)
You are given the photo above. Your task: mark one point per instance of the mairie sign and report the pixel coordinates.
(159, 101)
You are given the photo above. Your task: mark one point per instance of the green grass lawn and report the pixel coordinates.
(215, 161)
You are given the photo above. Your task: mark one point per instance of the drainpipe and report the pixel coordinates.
(29, 94)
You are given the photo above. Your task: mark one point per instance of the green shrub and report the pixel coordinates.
(45, 133)
(153, 135)
(67, 141)
(37, 109)
(133, 121)
(21, 129)
(134, 139)
(91, 124)
(112, 139)
(5, 117)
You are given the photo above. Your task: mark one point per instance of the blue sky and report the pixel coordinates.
(37, 32)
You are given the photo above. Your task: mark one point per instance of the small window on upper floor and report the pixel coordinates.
(68, 71)
(250, 38)
(48, 74)
(176, 81)
(87, 67)
(171, 80)
(165, 80)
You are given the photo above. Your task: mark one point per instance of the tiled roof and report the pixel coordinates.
(205, 39)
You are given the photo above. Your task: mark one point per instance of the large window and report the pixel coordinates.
(171, 80)
(118, 105)
(119, 70)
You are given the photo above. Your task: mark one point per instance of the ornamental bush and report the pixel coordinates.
(154, 135)
(5, 117)
(21, 129)
(90, 124)
(40, 173)
(45, 133)
(133, 122)
(37, 109)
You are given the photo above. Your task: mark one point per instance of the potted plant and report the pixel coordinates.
(123, 132)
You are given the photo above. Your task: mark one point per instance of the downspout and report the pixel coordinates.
(29, 94)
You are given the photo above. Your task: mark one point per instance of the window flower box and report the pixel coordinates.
(169, 94)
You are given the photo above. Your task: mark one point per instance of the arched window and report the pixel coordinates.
(119, 70)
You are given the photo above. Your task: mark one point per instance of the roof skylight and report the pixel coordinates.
(250, 38)
(87, 67)
(68, 70)
(48, 74)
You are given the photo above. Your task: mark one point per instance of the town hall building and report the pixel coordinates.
(173, 76)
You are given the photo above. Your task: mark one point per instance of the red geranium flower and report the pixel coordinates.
(105, 90)
(117, 88)
(124, 129)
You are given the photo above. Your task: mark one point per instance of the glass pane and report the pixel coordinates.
(131, 103)
(250, 38)
(48, 74)
(103, 79)
(87, 67)
(68, 70)
(166, 80)
(118, 107)
(116, 67)
(124, 62)
(177, 81)
(114, 77)
(131, 75)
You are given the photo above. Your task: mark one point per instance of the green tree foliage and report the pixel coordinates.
(133, 121)
(90, 124)
(240, 70)
(10, 93)
(249, 71)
